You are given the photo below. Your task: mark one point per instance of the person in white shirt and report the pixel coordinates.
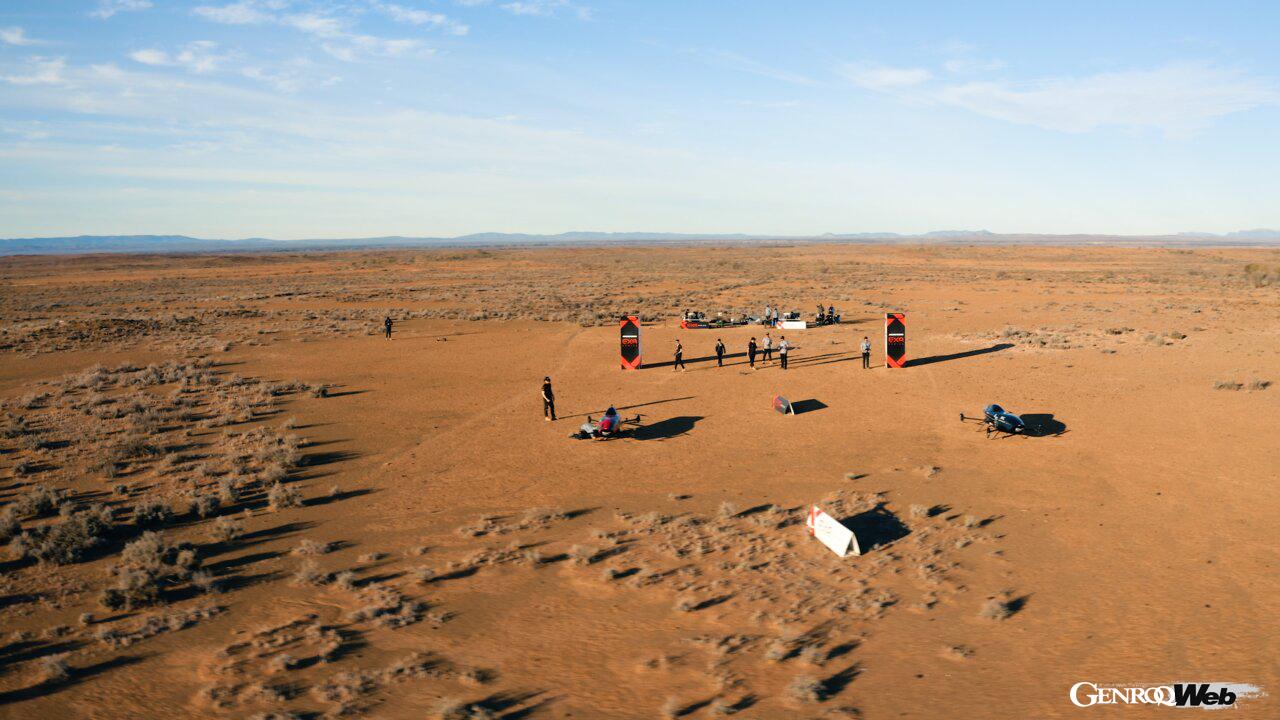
(866, 353)
(783, 347)
(767, 349)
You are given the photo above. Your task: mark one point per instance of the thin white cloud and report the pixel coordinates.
(1177, 99)
(544, 8)
(322, 26)
(414, 16)
(198, 57)
(39, 71)
(107, 8)
(150, 57)
(245, 12)
(968, 65)
(735, 61)
(332, 31)
(17, 36)
(884, 78)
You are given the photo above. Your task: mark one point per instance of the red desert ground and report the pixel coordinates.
(226, 494)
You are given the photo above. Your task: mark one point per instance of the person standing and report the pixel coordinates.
(548, 400)
(783, 347)
(386, 325)
(751, 352)
(866, 353)
(767, 312)
(679, 363)
(768, 349)
(719, 352)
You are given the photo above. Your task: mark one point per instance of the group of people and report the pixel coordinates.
(610, 422)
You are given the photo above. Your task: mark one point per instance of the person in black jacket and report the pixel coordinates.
(386, 324)
(719, 352)
(548, 400)
(751, 352)
(679, 362)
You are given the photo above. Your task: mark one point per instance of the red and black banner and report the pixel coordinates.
(631, 343)
(895, 340)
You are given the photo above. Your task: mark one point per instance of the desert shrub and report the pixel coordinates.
(282, 496)
(137, 446)
(39, 501)
(452, 709)
(228, 491)
(996, 609)
(225, 530)
(31, 401)
(147, 566)
(919, 511)
(205, 505)
(152, 513)
(1259, 384)
(582, 554)
(13, 426)
(9, 524)
(22, 468)
(68, 541)
(1261, 275)
(274, 474)
(806, 689)
(310, 575)
(54, 669)
(311, 547)
(1227, 385)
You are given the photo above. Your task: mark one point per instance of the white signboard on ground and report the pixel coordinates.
(792, 325)
(831, 532)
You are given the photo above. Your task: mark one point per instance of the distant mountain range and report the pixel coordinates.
(184, 244)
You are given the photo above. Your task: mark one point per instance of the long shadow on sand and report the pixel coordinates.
(666, 429)
(876, 528)
(688, 361)
(803, 406)
(78, 675)
(620, 408)
(1043, 425)
(915, 362)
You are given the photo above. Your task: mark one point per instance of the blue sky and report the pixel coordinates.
(345, 118)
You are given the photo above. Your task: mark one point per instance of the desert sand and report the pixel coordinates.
(348, 525)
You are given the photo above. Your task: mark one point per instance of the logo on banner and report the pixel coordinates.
(631, 343)
(831, 532)
(895, 340)
(1207, 696)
